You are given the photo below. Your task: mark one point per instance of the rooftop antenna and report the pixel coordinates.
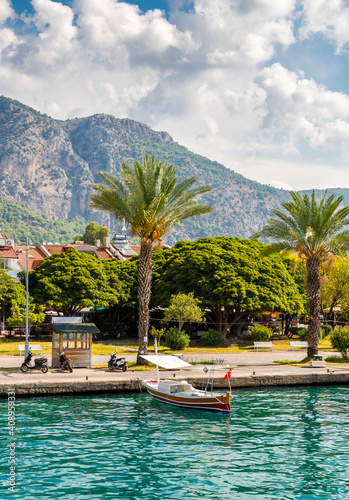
(123, 229)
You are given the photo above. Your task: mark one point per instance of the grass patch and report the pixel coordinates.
(11, 369)
(99, 349)
(11, 348)
(292, 361)
(336, 359)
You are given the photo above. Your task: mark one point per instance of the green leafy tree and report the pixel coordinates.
(122, 277)
(183, 307)
(151, 200)
(71, 281)
(335, 288)
(315, 230)
(228, 277)
(92, 233)
(36, 315)
(9, 292)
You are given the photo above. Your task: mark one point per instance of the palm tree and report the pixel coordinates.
(152, 201)
(315, 230)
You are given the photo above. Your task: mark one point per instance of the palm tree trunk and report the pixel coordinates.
(144, 290)
(313, 293)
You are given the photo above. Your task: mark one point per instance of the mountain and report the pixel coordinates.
(49, 166)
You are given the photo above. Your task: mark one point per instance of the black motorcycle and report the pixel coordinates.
(39, 364)
(117, 363)
(65, 363)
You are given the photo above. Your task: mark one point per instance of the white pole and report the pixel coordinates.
(156, 353)
(27, 305)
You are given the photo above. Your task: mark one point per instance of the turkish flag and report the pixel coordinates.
(228, 374)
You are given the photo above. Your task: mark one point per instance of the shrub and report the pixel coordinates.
(340, 340)
(261, 332)
(211, 338)
(176, 339)
(303, 334)
(336, 359)
(325, 330)
(157, 333)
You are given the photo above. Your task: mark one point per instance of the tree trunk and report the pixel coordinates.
(144, 290)
(313, 293)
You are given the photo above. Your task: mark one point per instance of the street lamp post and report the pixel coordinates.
(27, 304)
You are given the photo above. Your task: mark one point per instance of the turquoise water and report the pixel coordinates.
(278, 443)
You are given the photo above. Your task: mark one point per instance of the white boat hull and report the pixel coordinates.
(171, 392)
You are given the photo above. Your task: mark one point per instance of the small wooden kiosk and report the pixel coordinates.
(75, 339)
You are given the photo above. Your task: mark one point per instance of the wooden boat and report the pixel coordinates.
(180, 392)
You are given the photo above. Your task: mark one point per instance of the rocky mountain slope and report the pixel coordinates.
(49, 166)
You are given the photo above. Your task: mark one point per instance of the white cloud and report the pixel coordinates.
(5, 10)
(330, 18)
(207, 76)
(310, 111)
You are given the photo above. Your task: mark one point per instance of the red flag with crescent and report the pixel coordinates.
(228, 374)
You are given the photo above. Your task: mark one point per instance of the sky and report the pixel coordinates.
(261, 86)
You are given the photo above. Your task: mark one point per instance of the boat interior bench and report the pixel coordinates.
(263, 344)
(298, 344)
(32, 347)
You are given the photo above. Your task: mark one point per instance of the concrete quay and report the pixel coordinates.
(251, 369)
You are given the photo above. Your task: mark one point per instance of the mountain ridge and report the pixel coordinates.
(49, 166)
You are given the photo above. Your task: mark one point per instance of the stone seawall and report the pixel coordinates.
(49, 388)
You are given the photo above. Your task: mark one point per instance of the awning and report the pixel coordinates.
(74, 328)
(168, 362)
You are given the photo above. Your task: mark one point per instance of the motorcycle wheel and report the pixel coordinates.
(44, 368)
(111, 367)
(70, 368)
(24, 368)
(124, 369)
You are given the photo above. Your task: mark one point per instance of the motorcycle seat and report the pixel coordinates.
(40, 359)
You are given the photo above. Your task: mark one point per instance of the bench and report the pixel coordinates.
(263, 344)
(298, 344)
(32, 347)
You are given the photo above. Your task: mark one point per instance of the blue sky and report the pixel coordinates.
(260, 85)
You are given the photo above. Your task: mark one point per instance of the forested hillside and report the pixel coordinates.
(49, 166)
(18, 223)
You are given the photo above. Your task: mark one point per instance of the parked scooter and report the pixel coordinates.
(39, 364)
(117, 363)
(65, 363)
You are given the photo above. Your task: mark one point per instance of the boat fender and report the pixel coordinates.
(176, 390)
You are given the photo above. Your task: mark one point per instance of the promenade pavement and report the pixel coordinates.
(245, 365)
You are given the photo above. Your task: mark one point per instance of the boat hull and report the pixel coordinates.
(219, 403)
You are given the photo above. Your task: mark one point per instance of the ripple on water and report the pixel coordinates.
(279, 443)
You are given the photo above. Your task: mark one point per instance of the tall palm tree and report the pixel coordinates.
(315, 230)
(151, 200)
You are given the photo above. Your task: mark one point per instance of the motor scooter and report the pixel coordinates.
(39, 364)
(65, 363)
(117, 363)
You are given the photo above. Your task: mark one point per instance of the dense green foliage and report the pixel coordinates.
(10, 293)
(36, 315)
(71, 280)
(261, 332)
(340, 340)
(176, 339)
(211, 338)
(228, 278)
(18, 223)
